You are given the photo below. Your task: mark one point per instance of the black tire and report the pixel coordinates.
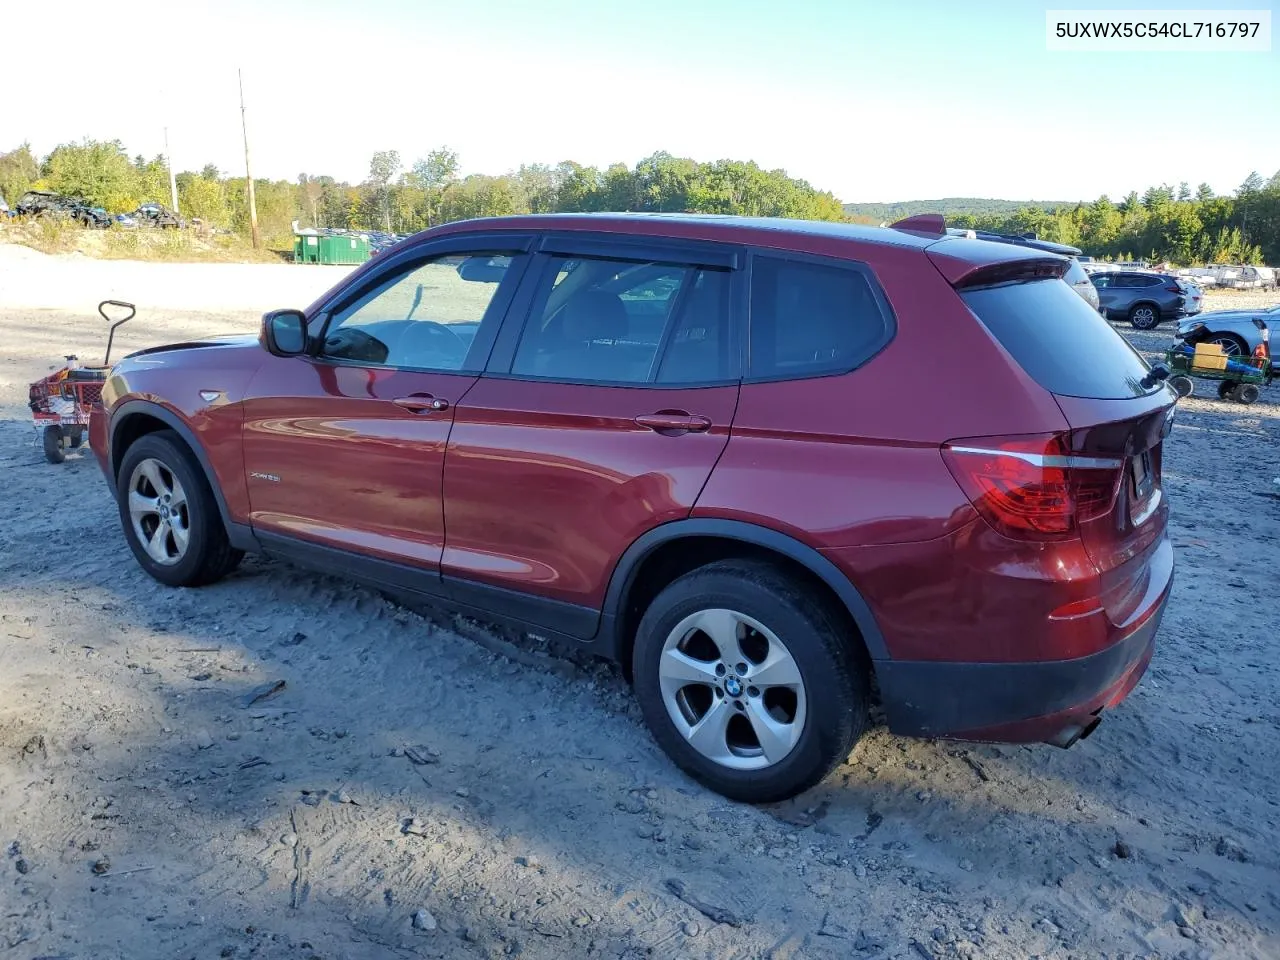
(54, 451)
(834, 672)
(1226, 389)
(1144, 316)
(1247, 393)
(209, 555)
(1183, 386)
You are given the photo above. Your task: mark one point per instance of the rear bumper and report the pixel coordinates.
(1014, 702)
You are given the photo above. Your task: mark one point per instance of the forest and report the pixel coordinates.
(1164, 223)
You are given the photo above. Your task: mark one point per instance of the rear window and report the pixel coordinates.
(1059, 340)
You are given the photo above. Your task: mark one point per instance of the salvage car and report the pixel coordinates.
(157, 215)
(1236, 331)
(46, 203)
(665, 439)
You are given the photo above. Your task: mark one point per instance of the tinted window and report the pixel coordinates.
(425, 317)
(698, 348)
(1059, 340)
(1100, 280)
(810, 318)
(622, 321)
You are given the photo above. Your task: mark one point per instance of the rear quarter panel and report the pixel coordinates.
(854, 459)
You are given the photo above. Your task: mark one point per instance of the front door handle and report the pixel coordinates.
(673, 421)
(421, 403)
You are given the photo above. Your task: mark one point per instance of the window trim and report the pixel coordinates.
(515, 246)
(613, 246)
(542, 266)
(856, 266)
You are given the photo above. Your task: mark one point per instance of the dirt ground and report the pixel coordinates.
(517, 807)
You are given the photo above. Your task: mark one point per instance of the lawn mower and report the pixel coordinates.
(61, 402)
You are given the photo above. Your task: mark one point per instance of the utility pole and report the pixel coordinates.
(248, 177)
(173, 183)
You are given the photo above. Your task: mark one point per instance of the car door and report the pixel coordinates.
(600, 416)
(345, 448)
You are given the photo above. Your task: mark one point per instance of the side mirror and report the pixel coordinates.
(284, 332)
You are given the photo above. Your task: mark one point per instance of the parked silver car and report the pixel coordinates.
(1081, 284)
(1236, 330)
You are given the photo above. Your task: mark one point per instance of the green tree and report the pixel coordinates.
(1252, 184)
(18, 171)
(203, 197)
(98, 171)
(383, 168)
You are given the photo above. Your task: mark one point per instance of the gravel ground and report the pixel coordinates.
(411, 791)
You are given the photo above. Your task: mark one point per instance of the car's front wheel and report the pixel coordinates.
(748, 680)
(1144, 316)
(169, 514)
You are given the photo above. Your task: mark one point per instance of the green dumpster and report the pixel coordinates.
(343, 249)
(339, 248)
(306, 249)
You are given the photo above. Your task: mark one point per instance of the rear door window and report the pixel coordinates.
(607, 321)
(1059, 340)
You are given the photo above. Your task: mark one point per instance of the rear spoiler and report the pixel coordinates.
(972, 261)
(977, 263)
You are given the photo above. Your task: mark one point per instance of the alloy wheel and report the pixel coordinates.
(159, 512)
(732, 689)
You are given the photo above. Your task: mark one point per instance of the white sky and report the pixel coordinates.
(788, 85)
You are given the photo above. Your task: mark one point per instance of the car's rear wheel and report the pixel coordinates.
(748, 681)
(169, 514)
(1144, 316)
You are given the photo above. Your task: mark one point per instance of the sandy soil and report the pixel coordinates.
(147, 811)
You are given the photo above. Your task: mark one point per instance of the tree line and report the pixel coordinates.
(1164, 223)
(400, 198)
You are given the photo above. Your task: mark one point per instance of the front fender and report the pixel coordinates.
(214, 442)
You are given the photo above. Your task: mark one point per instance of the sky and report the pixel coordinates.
(873, 100)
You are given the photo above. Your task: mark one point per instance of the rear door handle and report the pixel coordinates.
(673, 421)
(421, 403)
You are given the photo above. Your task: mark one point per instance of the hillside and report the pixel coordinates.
(953, 205)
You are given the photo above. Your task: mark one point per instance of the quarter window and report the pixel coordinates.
(809, 319)
(424, 318)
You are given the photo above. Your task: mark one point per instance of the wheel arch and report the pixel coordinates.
(135, 419)
(673, 549)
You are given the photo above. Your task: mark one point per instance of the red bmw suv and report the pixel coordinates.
(775, 468)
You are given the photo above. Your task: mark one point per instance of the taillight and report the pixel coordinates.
(1033, 487)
